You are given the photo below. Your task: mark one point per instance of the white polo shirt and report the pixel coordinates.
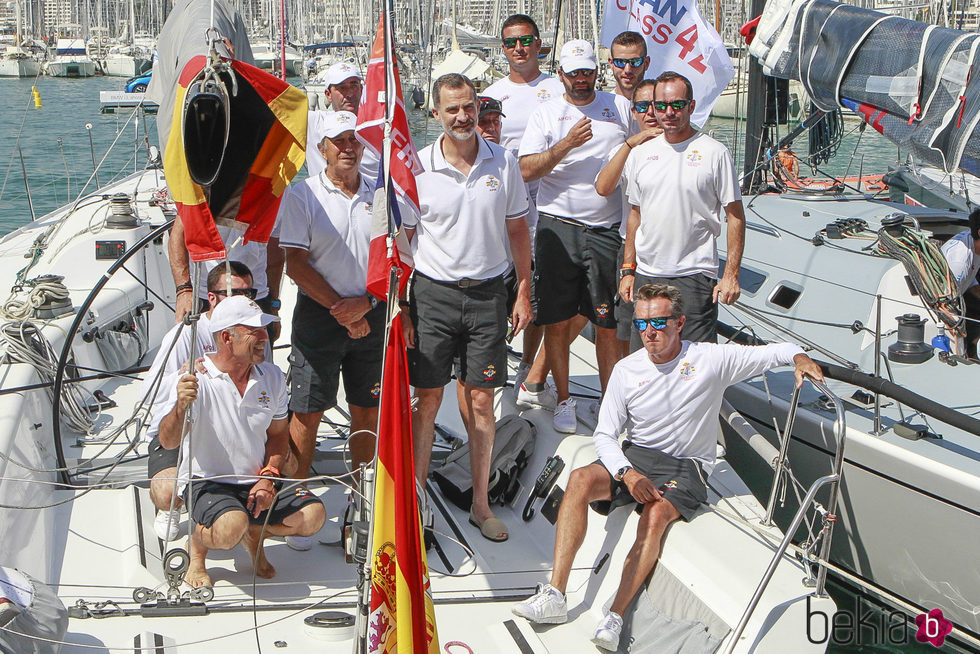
(518, 102)
(681, 190)
(963, 261)
(228, 428)
(253, 254)
(335, 229)
(569, 189)
(463, 229)
(316, 164)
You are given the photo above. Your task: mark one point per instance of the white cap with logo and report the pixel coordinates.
(341, 72)
(238, 310)
(577, 55)
(336, 123)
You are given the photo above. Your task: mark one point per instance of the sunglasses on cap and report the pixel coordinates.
(525, 39)
(490, 105)
(635, 62)
(586, 72)
(641, 324)
(250, 293)
(676, 105)
(642, 106)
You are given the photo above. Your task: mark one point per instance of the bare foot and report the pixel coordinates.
(256, 551)
(197, 577)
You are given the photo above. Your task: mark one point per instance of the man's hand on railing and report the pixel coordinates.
(806, 367)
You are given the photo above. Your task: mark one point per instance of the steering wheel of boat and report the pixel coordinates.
(64, 370)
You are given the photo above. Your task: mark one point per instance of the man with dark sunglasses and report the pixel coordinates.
(681, 189)
(565, 144)
(629, 61)
(667, 396)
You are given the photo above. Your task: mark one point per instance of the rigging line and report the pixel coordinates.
(20, 133)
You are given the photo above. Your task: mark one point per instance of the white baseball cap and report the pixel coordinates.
(238, 310)
(342, 71)
(336, 123)
(577, 55)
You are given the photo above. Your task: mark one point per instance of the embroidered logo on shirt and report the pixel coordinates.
(543, 95)
(602, 310)
(264, 400)
(376, 389)
(209, 348)
(607, 113)
(653, 157)
(687, 371)
(492, 183)
(693, 158)
(490, 373)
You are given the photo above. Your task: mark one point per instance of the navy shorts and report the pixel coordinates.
(679, 481)
(213, 499)
(160, 458)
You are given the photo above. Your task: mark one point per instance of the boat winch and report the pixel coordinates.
(122, 212)
(911, 346)
(50, 297)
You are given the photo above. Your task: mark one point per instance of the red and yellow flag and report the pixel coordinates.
(271, 115)
(402, 617)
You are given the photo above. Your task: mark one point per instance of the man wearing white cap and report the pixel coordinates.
(344, 88)
(236, 444)
(565, 146)
(337, 326)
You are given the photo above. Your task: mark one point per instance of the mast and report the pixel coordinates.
(756, 134)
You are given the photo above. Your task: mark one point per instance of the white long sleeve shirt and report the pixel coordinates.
(673, 407)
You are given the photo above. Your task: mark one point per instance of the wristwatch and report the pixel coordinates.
(622, 472)
(626, 272)
(373, 300)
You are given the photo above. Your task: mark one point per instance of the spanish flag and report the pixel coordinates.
(402, 617)
(265, 149)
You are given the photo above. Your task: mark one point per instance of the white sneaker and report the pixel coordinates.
(606, 635)
(565, 417)
(546, 606)
(520, 375)
(300, 543)
(544, 399)
(166, 525)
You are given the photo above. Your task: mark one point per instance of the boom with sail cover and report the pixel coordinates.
(911, 81)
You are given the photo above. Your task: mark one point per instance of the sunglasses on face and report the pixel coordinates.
(642, 106)
(586, 72)
(525, 39)
(676, 105)
(641, 324)
(635, 62)
(250, 293)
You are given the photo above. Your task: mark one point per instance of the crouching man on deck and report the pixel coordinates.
(671, 391)
(239, 433)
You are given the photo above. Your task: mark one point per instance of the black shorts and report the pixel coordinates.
(160, 458)
(624, 309)
(680, 481)
(469, 323)
(700, 310)
(576, 272)
(213, 499)
(323, 351)
(510, 281)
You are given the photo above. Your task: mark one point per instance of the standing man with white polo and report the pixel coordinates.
(344, 88)
(473, 203)
(680, 187)
(338, 328)
(565, 146)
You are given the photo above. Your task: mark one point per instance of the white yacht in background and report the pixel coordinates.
(71, 60)
(269, 57)
(126, 61)
(17, 62)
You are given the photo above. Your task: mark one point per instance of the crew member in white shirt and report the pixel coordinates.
(175, 349)
(962, 254)
(344, 88)
(565, 146)
(668, 452)
(473, 203)
(338, 328)
(520, 92)
(239, 440)
(680, 187)
(629, 61)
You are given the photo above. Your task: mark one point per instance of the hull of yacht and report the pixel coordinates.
(125, 65)
(71, 67)
(909, 509)
(19, 67)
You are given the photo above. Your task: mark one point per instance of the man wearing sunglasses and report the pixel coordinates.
(629, 61)
(565, 145)
(669, 451)
(681, 189)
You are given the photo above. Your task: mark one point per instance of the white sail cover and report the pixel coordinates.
(911, 81)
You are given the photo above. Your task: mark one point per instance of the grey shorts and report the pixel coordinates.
(213, 499)
(700, 311)
(469, 323)
(680, 481)
(624, 309)
(160, 458)
(323, 352)
(576, 272)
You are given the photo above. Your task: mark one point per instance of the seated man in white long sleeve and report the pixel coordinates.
(671, 392)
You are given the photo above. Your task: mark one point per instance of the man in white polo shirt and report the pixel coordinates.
(679, 187)
(338, 327)
(565, 145)
(239, 441)
(344, 88)
(519, 93)
(473, 203)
